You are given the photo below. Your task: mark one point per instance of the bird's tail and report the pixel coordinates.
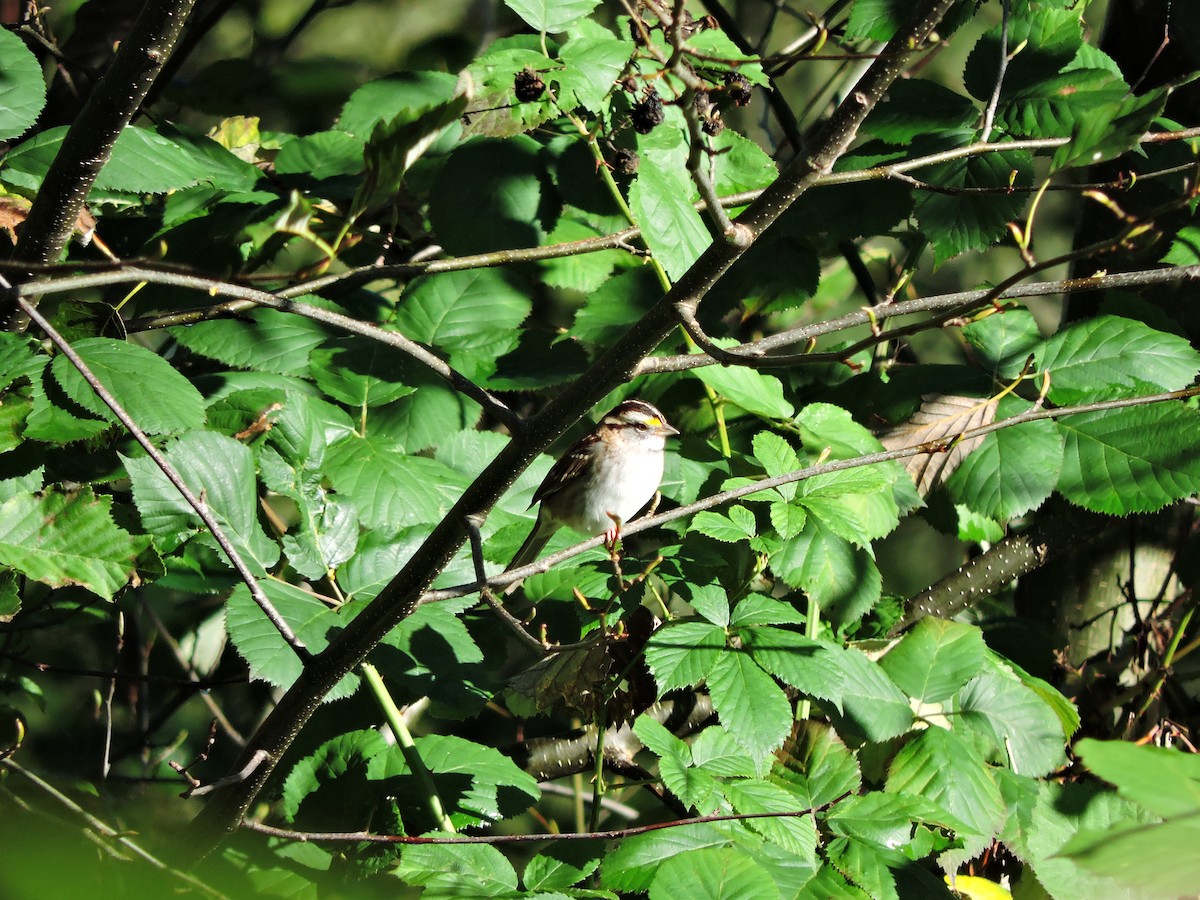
(543, 530)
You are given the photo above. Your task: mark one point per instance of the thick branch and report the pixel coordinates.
(89, 142)
(398, 599)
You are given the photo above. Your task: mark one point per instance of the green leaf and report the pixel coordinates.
(934, 660)
(61, 539)
(488, 196)
(1163, 780)
(552, 16)
(661, 200)
(1155, 860)
(885, 819)
(755, 609)
(632, 865)
(714, 873)
(22, 87)
(915, 108)
(1004, 341)
(1013, 470)
(389, 488)
(432, 654)
(798, 834)
(265, 340)
(872, 705)
(330, 764)
(1108, 356)
(855, 504)
(682, 654)
(1048, 36)
(221, 472)
(956, 222)
(142, 162)
(863, 865)
(1137, 459)
(325, 154)
(817, 768)
(358, 372)
(399, 94)
(1025, 733)
(463, 870)
(422, 419)
(751, 706)
(842, 578)
(594, 59)
(396, 144)
(737, 526)
(748, 388)
(944, 769)
(1110, 129)
(160, 400)
(562, 864)
(473, 317)
(811, 666)
(607, 312)
(479, 784)
(717, 752)
(259, 643)
(585, 272)
(711, 601)
(1061, 812)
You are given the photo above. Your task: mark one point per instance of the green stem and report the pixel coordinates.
(404, 740)
(1168, 658)
(812, 623)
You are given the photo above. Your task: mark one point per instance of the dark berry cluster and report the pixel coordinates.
(528, 85)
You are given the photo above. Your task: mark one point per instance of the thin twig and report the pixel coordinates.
(548, 562)
(989, 116)
(199, 506)
(609, 835)
(101, 828)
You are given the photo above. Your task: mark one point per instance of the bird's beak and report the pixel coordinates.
(666, 430)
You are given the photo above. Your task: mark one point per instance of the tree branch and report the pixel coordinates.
(398, 599)
(89, 142)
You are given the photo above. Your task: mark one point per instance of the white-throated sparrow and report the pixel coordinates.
(603, 480)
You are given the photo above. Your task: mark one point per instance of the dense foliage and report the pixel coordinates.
(292, 385)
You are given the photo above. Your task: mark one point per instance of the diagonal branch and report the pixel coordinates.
(200, 507)
(89, 142)
(399, 598)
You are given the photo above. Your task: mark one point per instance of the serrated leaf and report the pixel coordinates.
(220, 471)
(737, 526)
(816, 767)
(857, 505)
(1012, 470)
(22, 87)
(756, 609)
(391, 489)
(479, 784)
(715, 873)
(934, 660)
(326, 154)
(798, 834)
(841, 577)
(661, 200)
(552, 16)
(1137, 459)
(939, 422)
(472, 870)
(751, 706)
(265, 340)
(561, 865)
(62, 539)
(1023, 730)
(1109, 356)
(594, 59)
(752, 390)
(941, 767)
(1004, 340)
(956, 222)
(160, 400)
(386, 98)
(683, 654)
(358, 372)
(259, 643)
(777, 458)
(473, 317)
(631, 866)
(810, 666)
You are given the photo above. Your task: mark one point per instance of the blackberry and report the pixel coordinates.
(647, 114)
(738, 88)
(625, 161)
(528, 85)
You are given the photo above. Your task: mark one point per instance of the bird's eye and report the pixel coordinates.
(640, 426)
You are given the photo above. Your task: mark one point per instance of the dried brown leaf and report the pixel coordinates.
(938, 423)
